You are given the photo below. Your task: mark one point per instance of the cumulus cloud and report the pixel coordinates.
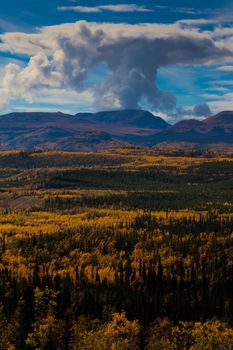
(62, 57)
(101, 8)
(199, 111)
(20, 82)
(202, 110)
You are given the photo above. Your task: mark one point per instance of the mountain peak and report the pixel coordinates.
(222, 119)
(187, 125)
(130, 117)
(95, 131)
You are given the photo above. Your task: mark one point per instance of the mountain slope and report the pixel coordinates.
(212, 130)
(125, 122)
(188, 125)
(136, 118)
(96, 131)
(221, 120)
(84, 131)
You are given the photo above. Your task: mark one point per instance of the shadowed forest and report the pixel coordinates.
(124, 249)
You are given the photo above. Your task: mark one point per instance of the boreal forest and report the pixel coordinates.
(126, 249)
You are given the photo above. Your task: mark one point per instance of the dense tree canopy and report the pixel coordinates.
(122, 250)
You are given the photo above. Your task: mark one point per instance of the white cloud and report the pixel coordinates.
(68, 101)
(62, 56)
(197, 22)
(211, 96)
(217, 89)
(46, 39)
(221, 82)
(82, 9)
(101, 8)
(164, 116)
(63, 97)
(191, 10)
(162, 7)
(223, 32)
(225, 69)
(221, 103)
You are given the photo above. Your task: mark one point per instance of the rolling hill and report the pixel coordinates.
(109, 129)
(215, 130)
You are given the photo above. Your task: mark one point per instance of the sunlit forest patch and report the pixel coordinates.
(116, 251)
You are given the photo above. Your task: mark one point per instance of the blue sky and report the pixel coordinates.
(43, 66)
(27, 14)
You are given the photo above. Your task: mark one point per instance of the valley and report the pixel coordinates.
(125, 246)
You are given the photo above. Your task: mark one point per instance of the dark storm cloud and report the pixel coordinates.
(133, 63)
(132, 53)
(202, 110)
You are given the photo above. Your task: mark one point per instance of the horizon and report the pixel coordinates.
(113, 111)
(173, 61)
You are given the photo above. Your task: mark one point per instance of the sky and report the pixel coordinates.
(170, 57)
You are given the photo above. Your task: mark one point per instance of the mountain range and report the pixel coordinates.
(108, 129)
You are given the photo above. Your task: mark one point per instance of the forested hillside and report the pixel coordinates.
(121, 250)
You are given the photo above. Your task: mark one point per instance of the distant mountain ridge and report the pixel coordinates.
(97, 131)
(136, 118)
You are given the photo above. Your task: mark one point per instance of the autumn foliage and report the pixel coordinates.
(118, 251)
